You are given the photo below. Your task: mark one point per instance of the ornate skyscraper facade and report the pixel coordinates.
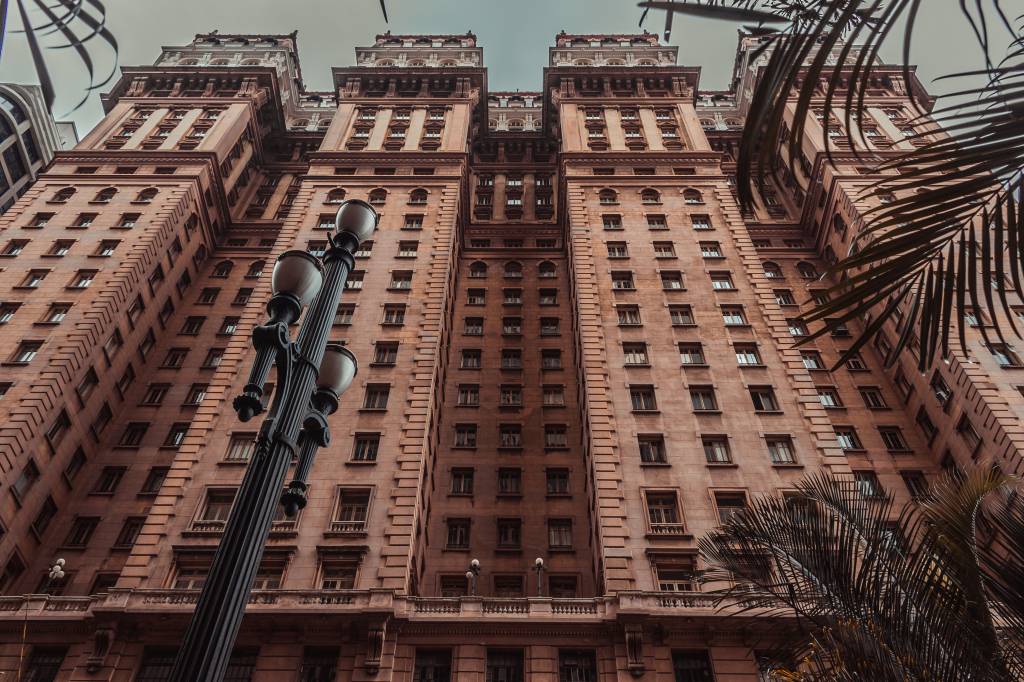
(575, 346)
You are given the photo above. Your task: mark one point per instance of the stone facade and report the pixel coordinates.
(575, 346)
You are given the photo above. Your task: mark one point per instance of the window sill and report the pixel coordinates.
(510, 448)
(722, 465)
(360, 462)
(463, 404)
(45, 324)
(636, 364)
(469, 495)
(883, 409)
(561, 550)
(553, 407)
(835, 408)
(509, 495)
(794, 465)
(463, 447)
(350, 534)
(555, 448)
(902, 451)
(655, 464)
(737, 326)
(373, 409)
(693, 365)
(768, 412)
(712, 412)
(856, 451)
(759, 365)
(13, 363)
(508, 550)
(669, 536)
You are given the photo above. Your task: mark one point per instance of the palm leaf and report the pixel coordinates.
(879, 593)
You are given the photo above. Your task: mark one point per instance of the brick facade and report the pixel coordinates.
(574, 345)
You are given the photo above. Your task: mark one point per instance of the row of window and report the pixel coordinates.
(510, 436)
(717, 451)
(510, 395)
(699, 222)
(512, 297)
(511, 358)
(608, 197)
(513, 269)
(104, 196)
(59, 248)
(509, 482)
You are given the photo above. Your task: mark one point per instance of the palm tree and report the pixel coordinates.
(932, 592)
(957, 224)
(80, 25)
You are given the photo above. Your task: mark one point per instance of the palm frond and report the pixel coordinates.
(78, 25)
(880, 593)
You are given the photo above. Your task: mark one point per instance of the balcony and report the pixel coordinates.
(348, 527)
(667, 530)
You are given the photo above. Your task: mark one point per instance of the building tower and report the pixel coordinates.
(575, 346)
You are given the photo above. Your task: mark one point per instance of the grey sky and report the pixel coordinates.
(515, 35)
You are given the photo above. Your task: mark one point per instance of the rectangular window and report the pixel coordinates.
(343, 316)
(365, 447)
(622, 280)
(612, 222)
(780, 449)
(848, 438)
(652, 448)
(675, 574)
(557, 481)
(556, 436)
(635, 354)
(829, 398)
(628, 315)
(458, 534)
(868, 485)
(462, 482)
(664, 250)
(873, 398)
(681, 315)
(729, 504)
(376, 397)
(385, 353)
(352, 511)
(465, 435)
(554, 396)
(431, 665)
(663, 513)
(617, 250)
(722, 281)
(716, 449)
(551, 358)
(26, 352)
(672, 280)
(471, 359)
(241, 447)
(893, 438)
(734, 316)
(510, 481)
(784, 297)
(763, 398)
(917, 484)
(195, 395)
(703, 399)
(394, 314)
(510, 533)
(469, 395)
(642, 398)
(692, 666)
(691, 354)
(747, 355)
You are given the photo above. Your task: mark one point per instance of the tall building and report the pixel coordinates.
(28, 139)
(575, 346)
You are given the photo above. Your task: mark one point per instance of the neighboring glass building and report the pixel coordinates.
(28, 139)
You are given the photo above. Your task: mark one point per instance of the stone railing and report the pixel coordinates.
(326, 602)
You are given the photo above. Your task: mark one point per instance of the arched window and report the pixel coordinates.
(335, 196)
(200, 256)
(772, 270)
(650, 196)
(514, 269)
(105, 195)
(692, 196)
(807, 271)
(219, 62)
(607, 196)
(299, 124)
(645, 62)
(147, 195)
(582, 62)
(188, 62)
(385, 62)
(615, 62)
(448, 62)
(378, 196)
(250, 62)
(223, 268)
(417, 62)
(255, 270)
(62, 195)
(418, 196)
(516, 124)
(546, 269)
(324, 124)
(478, 269)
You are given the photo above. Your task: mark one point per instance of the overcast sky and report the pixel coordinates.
(514, 34)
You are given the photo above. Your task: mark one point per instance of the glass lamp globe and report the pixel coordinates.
(298, 274)
(337, 369)
(357, 218)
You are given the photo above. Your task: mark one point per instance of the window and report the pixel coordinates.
(431, 665)
(551, 358)
(702, 399)
(635, 354)
(797, 327)
(394, 314)
(873, 398)
(868, 485)
(663, 513)
(807, 271)
(691, 354)
(672, 280)
(562, 587)
(465, 435)
(26, 352)
(510, 533)
(469, 395)
(81, 531)
(82, 279)
(510, 481)
(917, 484)
(642, 398)
(546, 270)
(847, 438)
(829, 397)
(338, 572)
(733, 316)
(747, 355)
(513, 270)
(855, 363)
(729, 504)
(108, 481)
(701, 222)
(968, 433)
(458, 534)
(612, 222)
(471, 359)
(26, 479)
(560, 532)
(722, 281)
(133, 434)
(716, 449)
(319, 664)
(229, 326)
(1005, 357)
(376, 397)
(42, 520)
(692, 666)
(556, 436)
(650, 196)
(16, 246)
(692, 197)
(351, 513)
(617, 250)
(7, 311)
(478, 269)
(512, 326)
(511, 396)
(675, 573)
(554, 396)
(628, 315)
(557, 481)
(780, 449)
(505, 665)
(763, 398)
(33, 279)
(44, 664)
(710, 250)
(548, 297)
(83, 220)
(664, 250)
(195, 395)
(461, 482)
(607, 197)
(385, 353)
(512, 297)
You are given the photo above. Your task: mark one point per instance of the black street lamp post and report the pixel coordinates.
(311, 375)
